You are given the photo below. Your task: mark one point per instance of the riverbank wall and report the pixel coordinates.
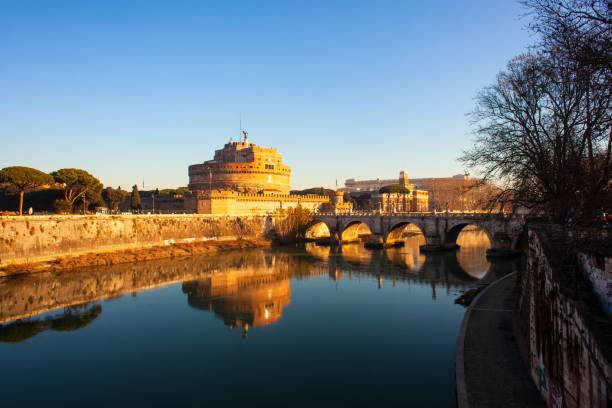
(25, 239)
(562, 330)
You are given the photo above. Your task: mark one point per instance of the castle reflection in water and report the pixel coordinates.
(246, 289)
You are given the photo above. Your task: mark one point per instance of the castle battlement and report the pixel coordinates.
(235, 195)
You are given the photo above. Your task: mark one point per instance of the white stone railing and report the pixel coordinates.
(454, 214)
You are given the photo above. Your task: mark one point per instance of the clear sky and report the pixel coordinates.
(139, 90)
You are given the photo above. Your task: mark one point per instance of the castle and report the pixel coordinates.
(245, 179)
(244, 167)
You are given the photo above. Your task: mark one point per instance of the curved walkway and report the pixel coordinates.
(489, 369)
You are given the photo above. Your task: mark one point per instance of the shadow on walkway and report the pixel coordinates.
(490, 371)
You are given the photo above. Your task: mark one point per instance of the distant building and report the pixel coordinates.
(411, 199)
(414, 200)
(454, 193)
(367, 186)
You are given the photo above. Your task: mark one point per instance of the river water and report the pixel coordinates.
(293, 326)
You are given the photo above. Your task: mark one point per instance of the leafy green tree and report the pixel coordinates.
(394, 189)
(314, 190)
(113, 197)
(76, 183)
(24, 179)
(135, 202)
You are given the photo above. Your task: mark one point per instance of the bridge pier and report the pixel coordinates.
(435, 244)
(502, 253)
(502, 246)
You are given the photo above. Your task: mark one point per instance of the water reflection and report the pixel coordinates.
(472, 255)
(245, 289)
(72, 318)
(409, 255)
(242, 299)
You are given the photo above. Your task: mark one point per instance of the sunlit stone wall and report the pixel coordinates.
(31, 237)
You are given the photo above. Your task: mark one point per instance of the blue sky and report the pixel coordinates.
(139, 90)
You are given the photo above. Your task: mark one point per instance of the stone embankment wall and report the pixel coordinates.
(563, 333)
(31, 238)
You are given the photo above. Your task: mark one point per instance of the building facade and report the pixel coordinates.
(412, 201)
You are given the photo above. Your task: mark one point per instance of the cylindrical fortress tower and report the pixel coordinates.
(242, 166)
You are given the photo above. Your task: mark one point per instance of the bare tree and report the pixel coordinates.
(543, 128)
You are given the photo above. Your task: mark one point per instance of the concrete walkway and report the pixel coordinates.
(489, 369)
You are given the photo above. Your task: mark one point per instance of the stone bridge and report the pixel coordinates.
(440, 229)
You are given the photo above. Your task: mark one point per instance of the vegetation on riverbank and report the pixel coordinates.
(291, 224)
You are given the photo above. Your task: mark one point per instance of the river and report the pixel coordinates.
(293, 326)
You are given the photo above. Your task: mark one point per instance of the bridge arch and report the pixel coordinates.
(396, 232)
(450, 238)
(318, 229)
(354, 229)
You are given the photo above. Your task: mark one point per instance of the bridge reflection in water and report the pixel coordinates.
(245, 289)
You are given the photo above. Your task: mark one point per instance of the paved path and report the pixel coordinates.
(493, 373)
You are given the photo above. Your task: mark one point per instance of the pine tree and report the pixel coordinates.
(135, 203)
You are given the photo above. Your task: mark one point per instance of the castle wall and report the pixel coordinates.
(239, 176)
(233, 203)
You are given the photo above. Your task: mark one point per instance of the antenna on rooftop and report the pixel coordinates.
(240, 132)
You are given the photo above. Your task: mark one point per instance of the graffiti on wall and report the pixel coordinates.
(601, 280)
(547, 389)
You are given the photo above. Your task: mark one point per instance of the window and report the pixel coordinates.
(270, 166)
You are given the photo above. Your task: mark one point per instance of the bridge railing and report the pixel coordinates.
(454, 214)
